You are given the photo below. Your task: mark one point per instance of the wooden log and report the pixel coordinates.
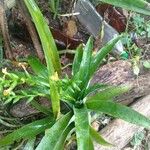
(121, 72)
(120, 132)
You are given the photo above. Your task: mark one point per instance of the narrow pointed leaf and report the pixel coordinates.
(52, 6)
(118, 111)
(35, 90)
(98, 138)
(75, 86)
(30, 144)
(61, 141)
(91, 145)
(55, 97)
(27, 131)
(47, 40)
(95, 87)
(53, 134)
(109, 93)
(50, 51)
(140, 6)
(97, 60)
(84, 71)
(40, 107)
(82, 128)
(38, 68)
(77, 59)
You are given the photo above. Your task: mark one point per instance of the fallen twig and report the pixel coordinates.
(4, 31)
(31, 28)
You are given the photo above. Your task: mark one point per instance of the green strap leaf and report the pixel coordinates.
(53, 134)
(28, 131)
(109, 93)
(140, 6)
(77, 59)
(91, 145)
(38, 67)
(35, 90)
(97, 60)
(84, 71)
(118, 111)
(30, 144)
(54, 6)
(50, 51)
(82, 128)
(38, 80)
(61, 140)
(94, 88)
(40, 107)
(47, 40)
(98, 138)
(55, 97)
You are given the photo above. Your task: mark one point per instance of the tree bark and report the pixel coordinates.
(31, 28)
(4, 31)
(121, 73)
(120, 132)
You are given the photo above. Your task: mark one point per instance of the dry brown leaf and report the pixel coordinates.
(71, 28)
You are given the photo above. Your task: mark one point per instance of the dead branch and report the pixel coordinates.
(31, 28)
(4, 31)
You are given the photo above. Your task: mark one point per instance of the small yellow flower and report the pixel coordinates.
(23, 80)
(6, 92)
(4, 71)
(54, 77)
(94, 53)
(20, 64)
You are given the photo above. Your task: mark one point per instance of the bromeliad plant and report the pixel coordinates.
(76, 92)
